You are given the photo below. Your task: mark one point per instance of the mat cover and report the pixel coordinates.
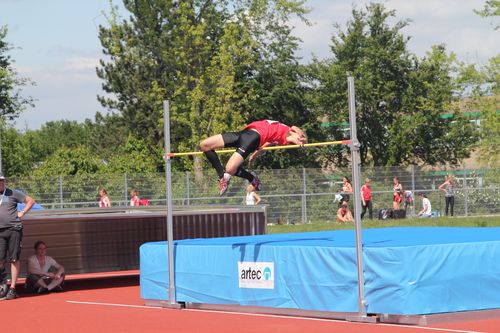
(407, 271)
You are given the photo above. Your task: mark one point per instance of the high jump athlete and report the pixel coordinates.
(248, 142)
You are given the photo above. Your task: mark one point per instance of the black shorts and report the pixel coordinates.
(10, 241)
(245, 142)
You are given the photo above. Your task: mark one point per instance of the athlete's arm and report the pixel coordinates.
(258, 152)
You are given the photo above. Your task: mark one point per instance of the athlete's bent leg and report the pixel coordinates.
(213, 142)
(207, 146)
(234, 162)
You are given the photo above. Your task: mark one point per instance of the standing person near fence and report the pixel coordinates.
(251, 198)
(398, 193)
(11, 234)
(408, 197)
(248, 142)
(366, 199)
(134, 198)
(346, 189)
(104, 200)
(447, 188)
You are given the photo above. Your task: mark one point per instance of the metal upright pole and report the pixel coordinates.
(304, 197)
(354, 145)
(170, 234)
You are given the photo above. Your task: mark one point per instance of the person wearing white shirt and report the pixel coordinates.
(426, 207)
(251, 198)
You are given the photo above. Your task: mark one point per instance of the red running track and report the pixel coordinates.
(114, 305)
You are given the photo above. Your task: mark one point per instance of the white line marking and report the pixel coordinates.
(276, 316)
(115, 304)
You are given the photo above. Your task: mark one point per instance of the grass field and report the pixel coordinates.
(477, 221)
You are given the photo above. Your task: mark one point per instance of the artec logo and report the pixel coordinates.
(256, 275)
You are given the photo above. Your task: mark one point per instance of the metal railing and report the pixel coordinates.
(292, 195)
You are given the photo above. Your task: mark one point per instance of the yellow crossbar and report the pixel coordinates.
(224, 151)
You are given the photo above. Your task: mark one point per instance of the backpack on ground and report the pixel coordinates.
(385, 214)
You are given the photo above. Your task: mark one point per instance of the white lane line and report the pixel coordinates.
(276, 316)
(116, 304)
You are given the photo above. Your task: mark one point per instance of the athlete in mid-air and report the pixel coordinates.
(248, 142)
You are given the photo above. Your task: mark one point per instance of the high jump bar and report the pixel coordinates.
(223, 151)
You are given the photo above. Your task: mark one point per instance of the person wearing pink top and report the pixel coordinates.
(366, 199)
(104, 199)
(134, 198)
(248, 142)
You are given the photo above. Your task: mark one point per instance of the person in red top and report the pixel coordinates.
(134, 198)
(249, 142)
(366, 199)
(104, 200)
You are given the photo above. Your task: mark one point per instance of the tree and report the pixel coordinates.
(481, 91)
(491, 8)
(69, 161)
(429, 135)
(12, 103)
(212, 59)
(399, 98)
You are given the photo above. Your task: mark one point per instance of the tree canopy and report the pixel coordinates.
(400, 98)
(224, 63)
(12, 102)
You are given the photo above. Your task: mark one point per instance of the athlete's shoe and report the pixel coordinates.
(11, 294)
(224, 183)
(256, 182)
(4, 289)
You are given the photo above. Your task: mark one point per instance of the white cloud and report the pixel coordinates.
(62, 92)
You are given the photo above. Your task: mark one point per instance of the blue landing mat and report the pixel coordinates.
(408, 271)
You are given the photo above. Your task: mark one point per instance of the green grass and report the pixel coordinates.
(479, 221)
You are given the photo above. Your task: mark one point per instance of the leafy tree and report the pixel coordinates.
(400, 99)
(491, 8)
(212, 59)
(69, 161)
(134, 157)
(481, 89)
(429, 136)
(12, 103)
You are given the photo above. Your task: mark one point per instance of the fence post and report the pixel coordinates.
(61, 192)
(304, 201)
(413, 189)
(125, 186)
(187, 188)
(466, 193)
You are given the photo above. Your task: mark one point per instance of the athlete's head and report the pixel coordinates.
(296, 135)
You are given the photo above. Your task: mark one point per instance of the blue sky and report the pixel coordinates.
(57, 45)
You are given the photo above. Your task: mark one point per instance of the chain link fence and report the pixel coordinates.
(292, 195)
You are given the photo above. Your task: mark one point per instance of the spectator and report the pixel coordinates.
(44, 273)
(426, 207)
(11, 233)
(344, 214)
(104, 200)
(251, 198)
(134, 198)
(346, 189)
(366, 199)
(398, 194)
(447, 188)
(409, 199)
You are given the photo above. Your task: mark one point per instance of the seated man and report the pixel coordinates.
(344, 214)
(44, 273)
